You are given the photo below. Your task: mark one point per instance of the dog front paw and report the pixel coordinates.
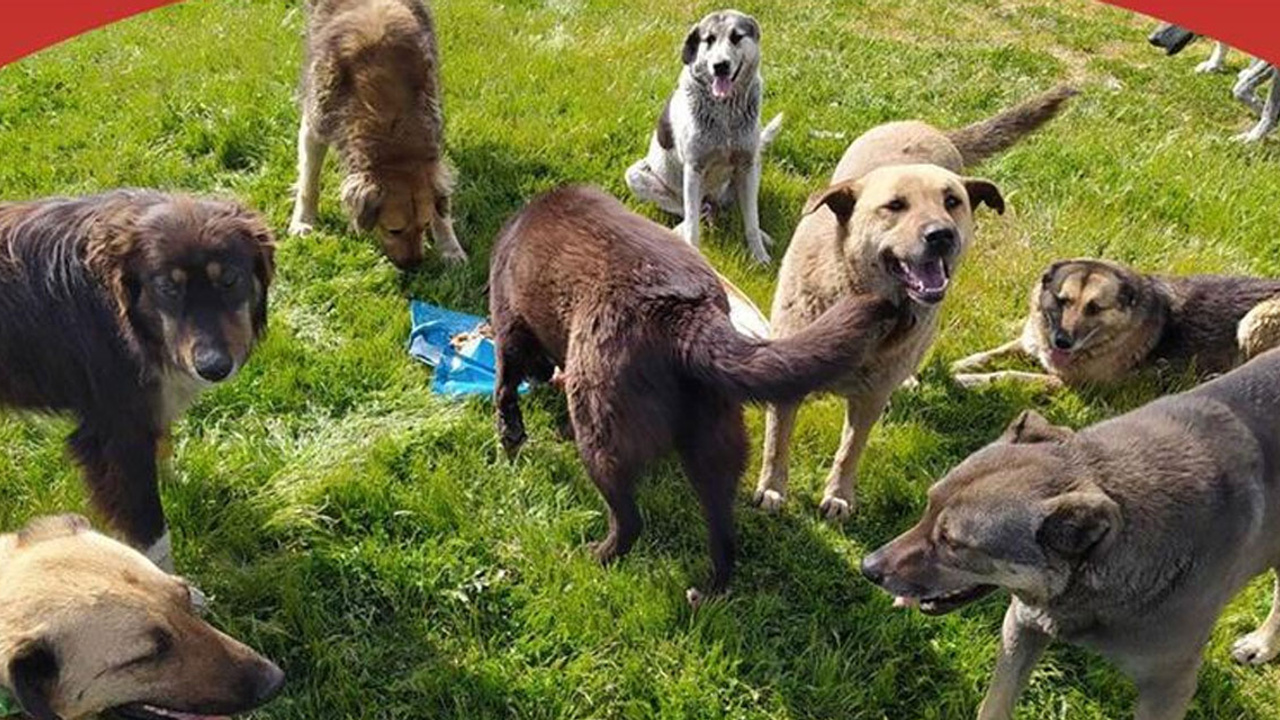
(835, 509)
(1256, 648)
(757, 245)
(513, 437)
(1210, 66)
(769, 500)
(453, 255)
(1249, 137)
(299, 227)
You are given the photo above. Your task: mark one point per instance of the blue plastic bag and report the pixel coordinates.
(469, 369)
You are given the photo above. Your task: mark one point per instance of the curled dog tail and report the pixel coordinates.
(990, 137)
(789, 368)
(770, 131)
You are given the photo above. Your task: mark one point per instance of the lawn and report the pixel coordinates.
(372, 537)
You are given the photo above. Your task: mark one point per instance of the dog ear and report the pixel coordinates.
(363, 200)
(264, 266)
(984, 192)
(841, 199)
(1079, 522)
(1047, 278)
(691, 41)
(752, 29)
(1030, 427)
(33, 674)
(52, 526)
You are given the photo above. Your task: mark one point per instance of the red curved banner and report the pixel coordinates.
(27, 25)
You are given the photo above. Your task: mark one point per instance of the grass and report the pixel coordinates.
(370, 536)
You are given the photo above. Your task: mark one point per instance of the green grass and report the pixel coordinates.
(372, 538)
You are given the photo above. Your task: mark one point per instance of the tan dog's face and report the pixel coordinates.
(200, 273)
(912, 221)
(92, 627)
(1082, 305)
(397, 207)
(723, 52)
(1017, 515)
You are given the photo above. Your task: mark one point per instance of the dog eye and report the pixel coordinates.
(896, 205)
(710, 39)
(229, 278)
(167, 288)
(952, 202)
(1091, 308)
(735, 37)
(162, 644)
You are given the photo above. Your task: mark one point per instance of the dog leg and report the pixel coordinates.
(1262, 645)
(311, 151)
(1164, 692)
(513, 346)
(442, 220)
(646, 185)
(1259, 330)
(692, 204)
(771, 490)
(1011, 349)
(973, 381)
(1247, 84)
(1270, 113)
(860, 415)
(713, 450)
(1021, 646)
(1217, 61)
(746, 183)
(120, 469)
(614, 475)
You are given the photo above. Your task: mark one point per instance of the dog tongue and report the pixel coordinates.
(721, 86)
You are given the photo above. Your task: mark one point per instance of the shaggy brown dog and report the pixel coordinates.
(370, 88)
(640, 324)
(119, 309)
(91, 628)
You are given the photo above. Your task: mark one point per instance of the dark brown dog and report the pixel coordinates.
(640, 324)
(119, 309)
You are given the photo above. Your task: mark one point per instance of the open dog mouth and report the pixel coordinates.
(142, 711)
(925, 281)
(722, 85)
(945, 603)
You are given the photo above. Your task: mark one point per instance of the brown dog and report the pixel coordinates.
(1093, 321)
(120, 309)
(89, 626)
(640, 324)
(371, 88)
(894, 225)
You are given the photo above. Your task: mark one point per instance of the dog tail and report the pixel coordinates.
(770, 131)
(787, 369)
(990, 137)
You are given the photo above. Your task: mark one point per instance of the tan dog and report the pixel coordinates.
(90, 626)
(371, 88)
(1093, 321)
(894, 225)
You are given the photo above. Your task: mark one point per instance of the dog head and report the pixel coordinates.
(722, 52)
(1018, 515)
(194, 274)
(396, 206)
(92, 627)
(913, 222)
(1083, 305)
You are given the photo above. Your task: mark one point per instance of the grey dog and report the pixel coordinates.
(1128, 537)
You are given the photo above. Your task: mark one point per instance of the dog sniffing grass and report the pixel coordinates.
(370, 537)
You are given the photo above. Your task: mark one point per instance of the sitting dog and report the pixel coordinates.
(371, 88)
(708, 143)
(89, 627)
(1128, 537)
(1093, 321)
(895, 224)
(640, 325)
(120, 309)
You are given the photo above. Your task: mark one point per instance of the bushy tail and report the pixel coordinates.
(789, 368)
(982, 140)
(770, 131)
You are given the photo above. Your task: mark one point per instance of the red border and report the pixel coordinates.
(29, 25)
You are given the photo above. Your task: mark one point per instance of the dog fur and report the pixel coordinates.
(708, 144)
(1093, 321)
(119, 309)
(1128, 537)
(89, 627)
(640, 325)
(371, 89)
(898, 211)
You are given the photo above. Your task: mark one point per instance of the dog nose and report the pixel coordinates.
(1061, 340)
(267, 682)
(211, 364)
(872, 568)
(940, 239)
(722, 68)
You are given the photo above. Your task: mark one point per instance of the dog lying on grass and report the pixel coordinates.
(371, 88)
(91, 628)
(1093, 321)
(895, 224)
(639, 322)
(1128, 537)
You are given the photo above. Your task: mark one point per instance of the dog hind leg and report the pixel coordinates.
(1270, 113)
(1259, 330)
(646, 185)
(1164, 692)
(120, 469)
(771, 489)
(1262, 645)
(612, 469)
(713, 451)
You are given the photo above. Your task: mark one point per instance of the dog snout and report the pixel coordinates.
(212, 364)
(722, 68)
(1062, 339)
(264, 682)
(873, 568)
(940, 239)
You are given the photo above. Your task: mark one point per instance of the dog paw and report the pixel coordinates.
(758, 253)
(770, 501)
(453, 255)
(1251, 136)
(1209, 66)
(835, 509)
(970, 381)
(1256, 648)
(605, 551)
(512, 439)
(298, 228)
(911, 383)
